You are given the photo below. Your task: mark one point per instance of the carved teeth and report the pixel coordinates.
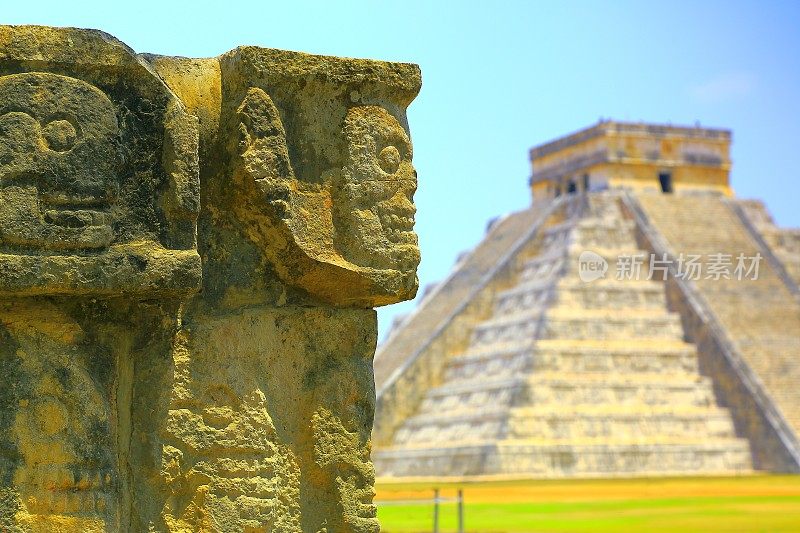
(80, 218)
(395, 225)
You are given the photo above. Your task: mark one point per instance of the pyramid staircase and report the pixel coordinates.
(783, 242)
(571, 378)
(760, 316)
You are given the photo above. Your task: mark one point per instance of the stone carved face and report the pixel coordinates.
(220, 447)
(346, 235)
(59, 163)
(374, 214)
(341, 430)
(347, 469)
(62, 428)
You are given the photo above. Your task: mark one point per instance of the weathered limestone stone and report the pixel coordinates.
(312, 170)
(189, 253)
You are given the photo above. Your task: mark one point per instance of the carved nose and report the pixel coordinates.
(402, 203)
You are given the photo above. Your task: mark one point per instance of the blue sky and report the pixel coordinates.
(500, 77)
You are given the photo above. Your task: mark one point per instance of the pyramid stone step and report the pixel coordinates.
(578, 324)
(576, 426)
(546, 267)
(612, 294)
(564, 460)
(557, 236)
(478, 350)
(573, 356)
(603, 207)
(684, 390)
(607, 326)
(508, 328)
(472, 395)
(633, 357)
(707, 457)
(503, 364)
(463, 427)
(463, 460)
(532, 295)
(592, 234)
(557, 262)
(576, 294)
(677, 390)
(558, 424)
(547, 412)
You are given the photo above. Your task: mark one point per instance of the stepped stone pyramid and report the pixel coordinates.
(521, 364)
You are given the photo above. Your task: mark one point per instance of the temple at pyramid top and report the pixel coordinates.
(636, 156)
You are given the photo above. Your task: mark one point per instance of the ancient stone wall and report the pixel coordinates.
(189, 254)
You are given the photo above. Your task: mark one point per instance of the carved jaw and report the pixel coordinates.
(396, 217)
(355, 483)
(325, 273)
(384, 272)
(376, 224)
(29, 222)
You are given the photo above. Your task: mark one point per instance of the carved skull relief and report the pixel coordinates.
(220, 447)
(353, 224)
(375, 215)
(59, 161)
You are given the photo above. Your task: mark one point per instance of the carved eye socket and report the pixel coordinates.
(223, 395)
(49, 416)
(389, 159)
(60, 135)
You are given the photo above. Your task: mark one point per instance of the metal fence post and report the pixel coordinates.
(460, 510)
(435, 510)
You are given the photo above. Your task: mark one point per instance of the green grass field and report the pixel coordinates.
(742, 504)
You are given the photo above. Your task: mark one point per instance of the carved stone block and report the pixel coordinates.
(99, 185)
(189, 251)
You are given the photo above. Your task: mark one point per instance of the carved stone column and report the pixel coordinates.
(189, 254)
